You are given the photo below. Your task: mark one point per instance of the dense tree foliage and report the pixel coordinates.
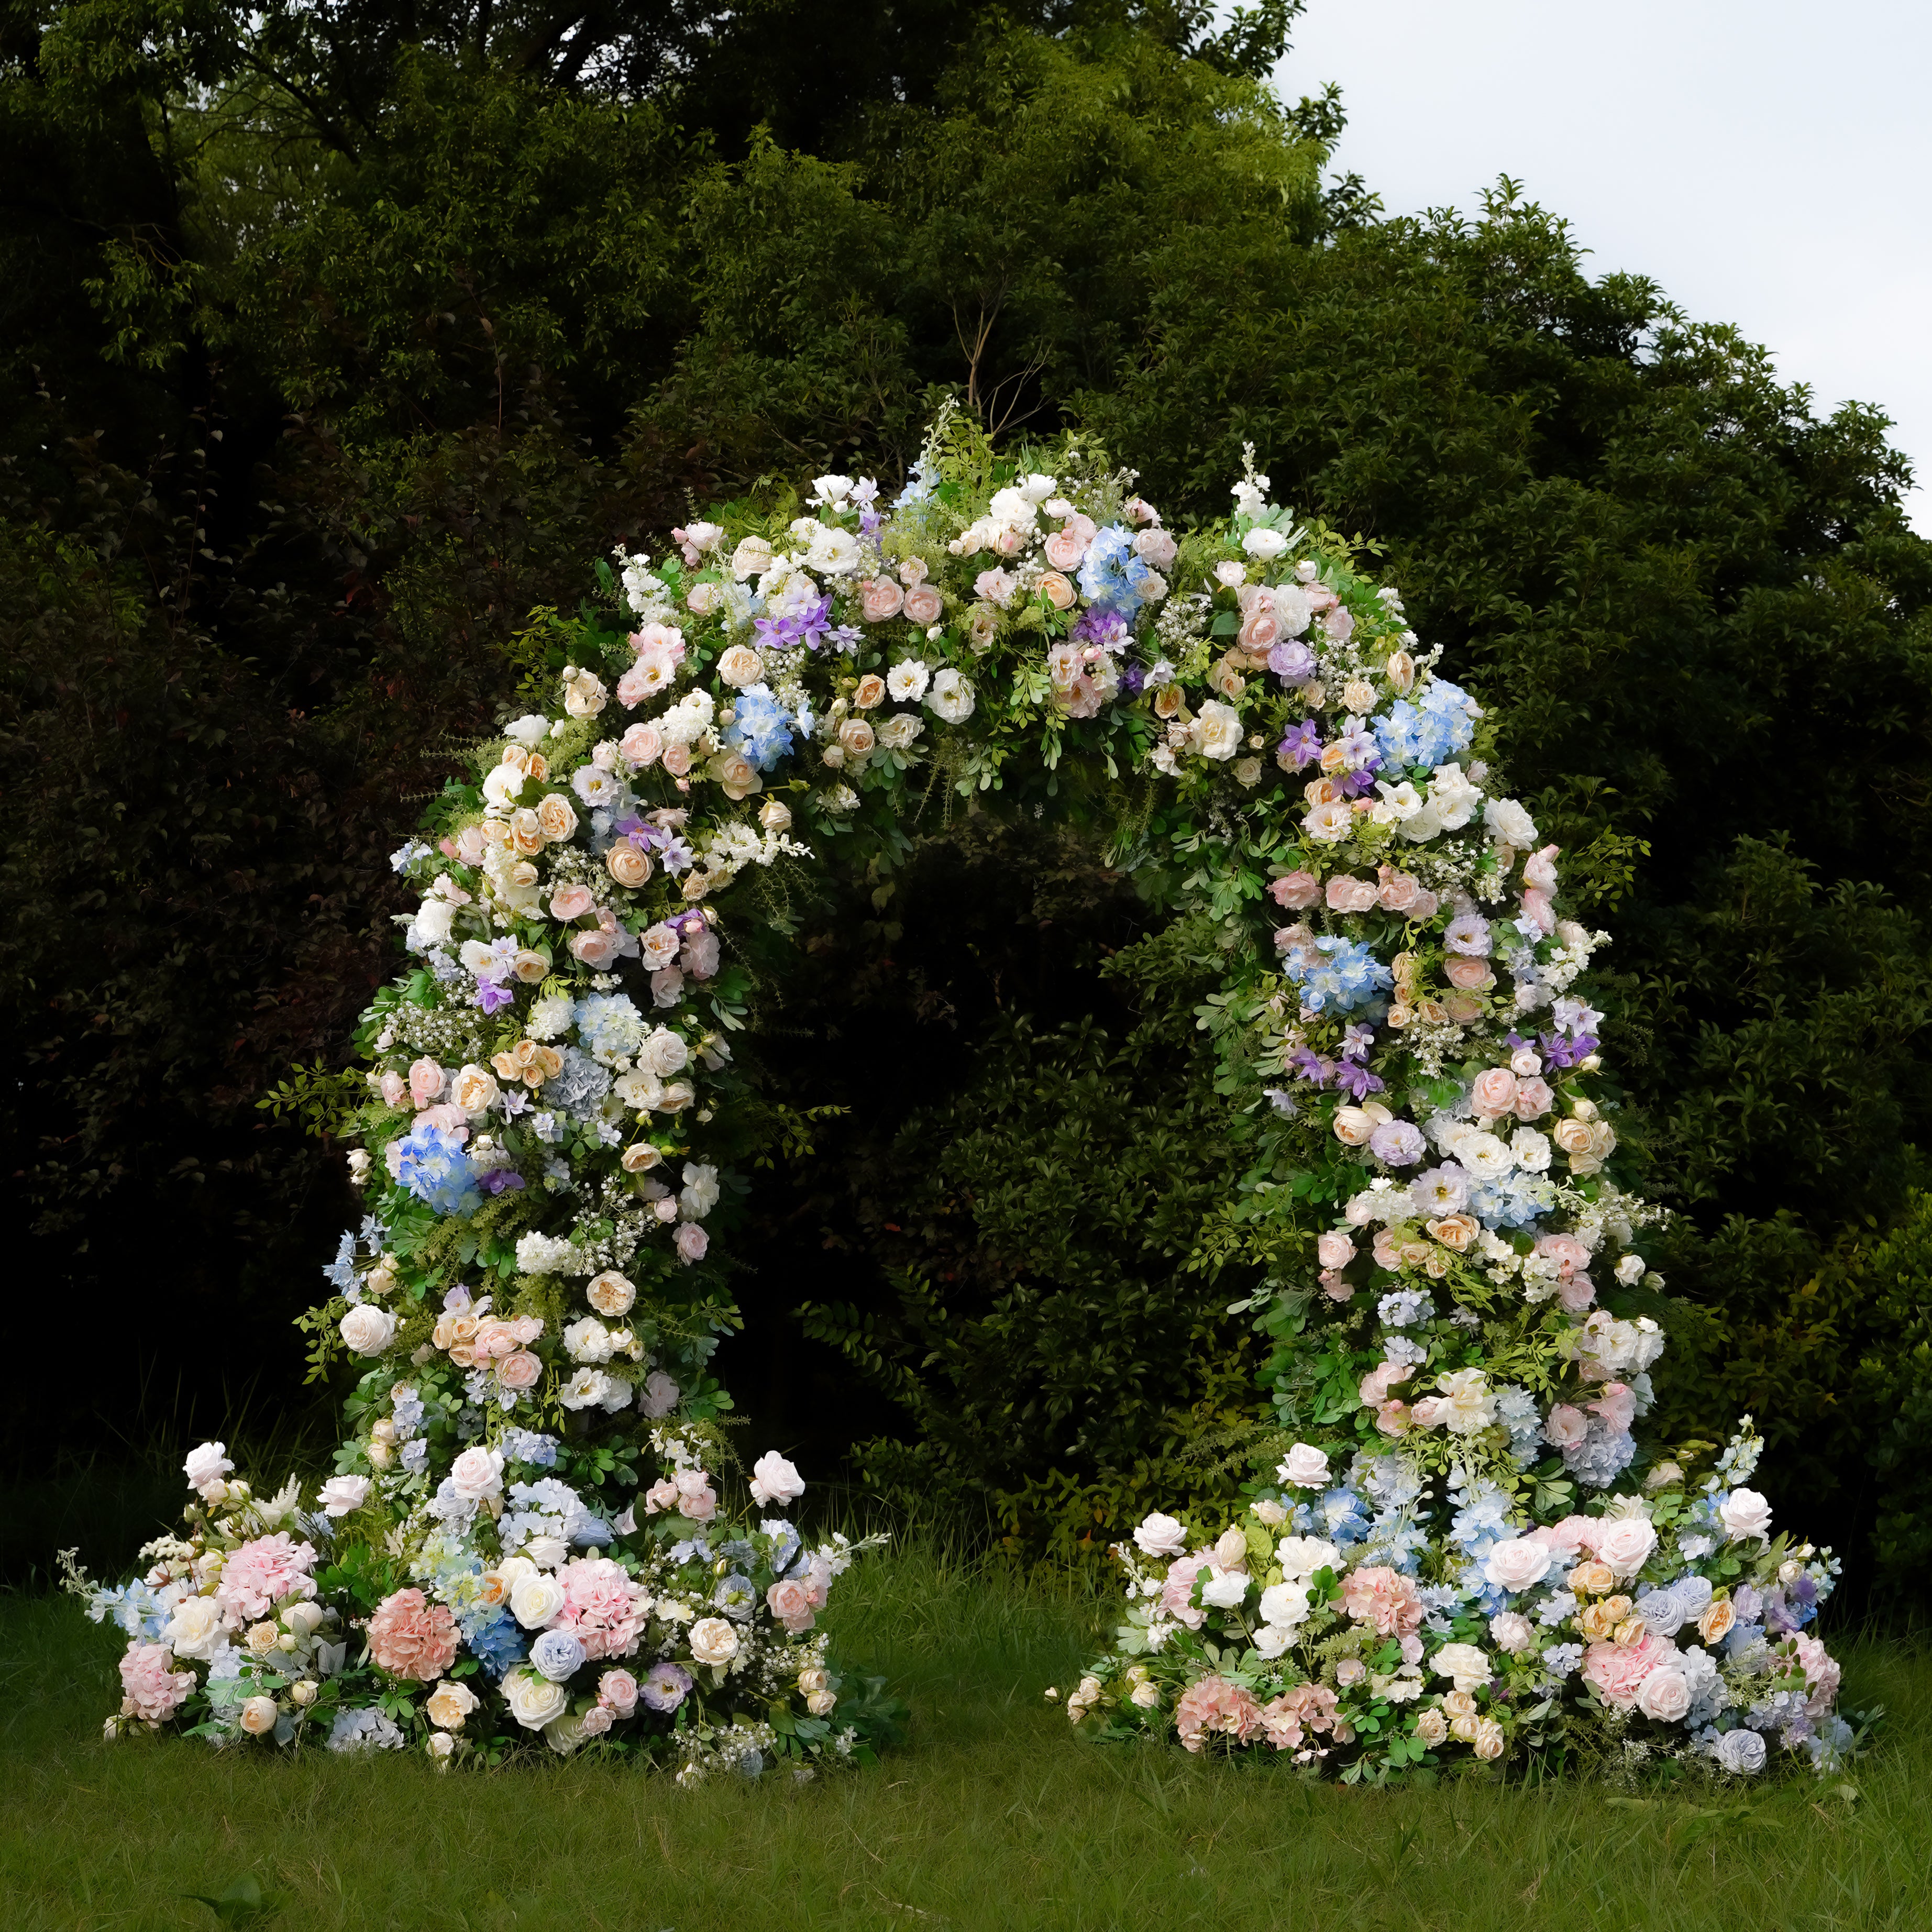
(339, 338)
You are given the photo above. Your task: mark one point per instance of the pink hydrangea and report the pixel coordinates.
(1211, 1706)
(1385, 1597)
(154, 1690)
(411, 1637)
(261, 1574)
(603, 1608)
(1308, 1707)
(1617, 1670)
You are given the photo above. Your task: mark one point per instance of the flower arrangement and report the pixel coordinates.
(522, 1537)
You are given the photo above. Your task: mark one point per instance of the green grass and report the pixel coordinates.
(992, 1816)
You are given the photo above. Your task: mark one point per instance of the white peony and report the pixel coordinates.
(1226, 1589)
(897, 732)
(699, 1195)
(1486, 1156)
(1284, 1605)
(1465, 1663)
(1265, 545)
(834, 552)
(1452, 799)
(588, 1340)
(1301, 1556)
(907, 679)
(1466, 1403)
(1509, 822)
(951, 697)
(1530, 1150)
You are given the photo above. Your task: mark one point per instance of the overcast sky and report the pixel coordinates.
(1769, 165)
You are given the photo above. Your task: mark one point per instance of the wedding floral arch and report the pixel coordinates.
(524, 1536)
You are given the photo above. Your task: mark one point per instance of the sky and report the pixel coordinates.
(1767, 164)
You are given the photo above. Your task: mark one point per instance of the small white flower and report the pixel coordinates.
(907, 679)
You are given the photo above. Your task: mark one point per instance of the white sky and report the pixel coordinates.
(1768, 164)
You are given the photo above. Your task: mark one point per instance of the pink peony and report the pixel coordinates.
(411, 1637)
(603, 1608)
(1385, 1597)
(259, 1574)
(1617, 1670)
(1212, 1705)
(155, 1692)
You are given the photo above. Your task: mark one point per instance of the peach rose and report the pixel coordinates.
(740, 666)
(871, 691)
(1455, 1230)
(571, 902)
(880, 598)
(555, 818)
(628, 866)
(735, 775)
(1065, 548)
(1346, 894)
(923, 605)
(642, 744)
(1533, 1098)
(1472, 976)
(1056, 590)
(522, 1370)
(1494, 1090)
(857, 737)
(677, 760)
(1334, 1250)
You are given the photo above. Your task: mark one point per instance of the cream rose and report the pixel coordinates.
(713, 1641)
(367, 1330)
(1519, 1564)
(555, 818)
(450, 1703)
(1217, 730)
(475, 1091)
(611, 1293)
(629, 866)
(1467, 1665)
(258, 1716)
(535, 1599)
(857, 737)
(740, 666)
(534, 1701)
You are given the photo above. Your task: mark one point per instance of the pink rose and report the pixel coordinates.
(1155, 548)
(1261, 630)
(692, 1241)
(1665, 1695)
(1380, 1379)
(696, 1498)
(1536, 905)
(1472, 976)
(570, 902)
(522, 1370)
(1565, 1250)
(426, 1080)
(1617, 1405)
(791, 1602)
(1340, 623)
(636, 685)
(996, 586)
(1567, 1426)
(1296, 891)
(881, 599)
(1179, 1587)
(411, 1637)
(595, 1721)
(395, 1089)
(1618, 1670)
(1575, 1293)
(1396, 892)
(1350, 895)
(677, 760)
(1494, 1090)
(1066, 548)
(642, 744)
(1394, 1416)
(1334, 1250)
(1518, 1565)
(617, 1690)
(154, 1692)
(1624, 1543)
(598, 950)
(923, 605)
(1539, 869)
(1533, 1098)
(1822, 1675)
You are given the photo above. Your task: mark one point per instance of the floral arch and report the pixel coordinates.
(1463, 1556)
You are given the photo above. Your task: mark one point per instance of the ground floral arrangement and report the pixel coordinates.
(1468, 1558)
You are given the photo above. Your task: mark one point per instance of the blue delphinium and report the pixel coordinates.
(1337, 974)
(434, 1167)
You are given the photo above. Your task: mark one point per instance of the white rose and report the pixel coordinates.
(665, 1052)
(207, 1464)
(774, 1480)
(1160, 1536)
(1217, 730)
(1625, 1544)
(504, 785)
(1665, 1695)
(535, 1600)
(477, 1473)
(1744, 1512)
(341, 1495)
(1630, 1269)
(1301, 1556)
(1517, 1565)
(194, 1629)
(435, 921)
(1265, 545)
(1284, 1605)
(713, 1641)
(1452, 799)
(367, 1330)
(1468, 1665)
(1225, 1589)
(1509, 822)
(534, 1701)
(1305, 1466)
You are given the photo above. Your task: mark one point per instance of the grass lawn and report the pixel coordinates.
(992, 1816)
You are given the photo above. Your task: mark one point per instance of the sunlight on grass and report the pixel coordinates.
(992, 1816)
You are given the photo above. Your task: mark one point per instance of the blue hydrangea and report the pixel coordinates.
(434, 1167)
(610, 1026)
(497, 1644)
(1429, 732)
(1113, 576)
(132, 1607)
(1341, 1513)
(1342, 975)
(1602, 1456)
(406, 1411)
(579, 1086)
(761, 729)
(530, 1447)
